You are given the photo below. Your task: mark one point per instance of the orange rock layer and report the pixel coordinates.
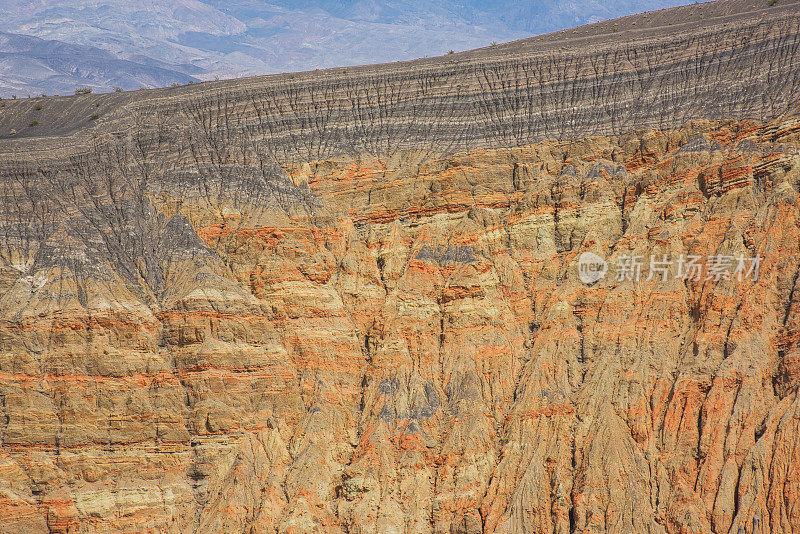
(418, 354)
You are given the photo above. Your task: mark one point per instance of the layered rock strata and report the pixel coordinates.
(353, 303)
(734, 59)
(365, 346)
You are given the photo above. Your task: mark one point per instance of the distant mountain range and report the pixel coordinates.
(56, 46)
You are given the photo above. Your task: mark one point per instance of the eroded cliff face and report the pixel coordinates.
(350, 301)
(201, 342)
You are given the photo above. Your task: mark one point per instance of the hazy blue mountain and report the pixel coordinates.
(144, 43)
(32, 66)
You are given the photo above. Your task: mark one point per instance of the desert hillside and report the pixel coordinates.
(355, 300)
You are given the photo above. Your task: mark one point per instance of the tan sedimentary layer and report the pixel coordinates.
(404, 345)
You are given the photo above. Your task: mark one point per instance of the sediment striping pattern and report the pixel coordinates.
(352, 302)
